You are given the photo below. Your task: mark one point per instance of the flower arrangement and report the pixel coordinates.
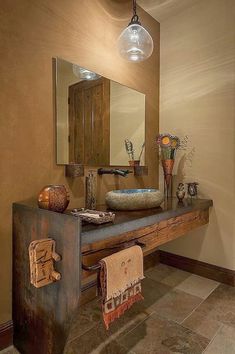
(168, 145)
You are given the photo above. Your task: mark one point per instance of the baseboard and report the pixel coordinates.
(6, 334)
(203, 269)
(151, 260)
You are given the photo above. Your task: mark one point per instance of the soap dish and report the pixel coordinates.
(94, 216)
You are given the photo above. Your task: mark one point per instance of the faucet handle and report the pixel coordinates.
(121, 172)
(113, 171)
(126, 172)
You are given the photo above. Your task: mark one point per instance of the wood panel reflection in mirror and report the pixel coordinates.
(94, 116)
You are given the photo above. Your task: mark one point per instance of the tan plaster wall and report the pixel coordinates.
(197, 98)
(31, 33)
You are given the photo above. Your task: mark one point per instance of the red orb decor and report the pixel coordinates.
(53, 197)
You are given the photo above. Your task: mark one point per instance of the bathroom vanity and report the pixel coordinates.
(42, 316)
(93, 120)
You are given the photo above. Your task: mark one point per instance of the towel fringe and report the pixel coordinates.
(110, 317)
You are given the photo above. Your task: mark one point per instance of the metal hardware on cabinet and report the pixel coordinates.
(96, 267)
(92, 268)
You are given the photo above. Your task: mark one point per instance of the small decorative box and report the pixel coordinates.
(94, 216)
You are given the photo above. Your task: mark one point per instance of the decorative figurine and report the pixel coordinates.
(53, 197)
(41, 260)
(192, 189)
(180, 193)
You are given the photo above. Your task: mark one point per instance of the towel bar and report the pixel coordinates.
(96, 267)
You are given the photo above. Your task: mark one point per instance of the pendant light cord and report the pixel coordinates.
(134, 7)
(135, 17)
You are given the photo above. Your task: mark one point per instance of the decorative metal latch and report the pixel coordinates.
(41, 258)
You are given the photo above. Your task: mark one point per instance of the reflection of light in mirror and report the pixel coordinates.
(84, 74)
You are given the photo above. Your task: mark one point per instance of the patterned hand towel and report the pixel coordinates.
(120, 282)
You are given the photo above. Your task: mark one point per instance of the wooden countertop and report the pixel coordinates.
(126, 221)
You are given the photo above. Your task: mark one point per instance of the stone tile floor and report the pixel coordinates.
(181, 313)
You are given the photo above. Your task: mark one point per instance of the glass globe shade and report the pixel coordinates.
(84, 74)
(135, 43)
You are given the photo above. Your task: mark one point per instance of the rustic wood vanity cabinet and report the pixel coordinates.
(42, 316)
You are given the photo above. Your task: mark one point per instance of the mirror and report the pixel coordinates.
(94, 117)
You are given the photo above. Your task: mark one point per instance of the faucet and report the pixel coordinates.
(105, 171)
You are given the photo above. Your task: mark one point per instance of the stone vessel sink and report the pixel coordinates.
(133, 199)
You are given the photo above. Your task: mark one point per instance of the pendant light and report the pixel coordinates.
(135, 43)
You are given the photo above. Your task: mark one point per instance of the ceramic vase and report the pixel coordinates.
(53, 197)
(192, 189)
(167, 170)
(134, 163)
